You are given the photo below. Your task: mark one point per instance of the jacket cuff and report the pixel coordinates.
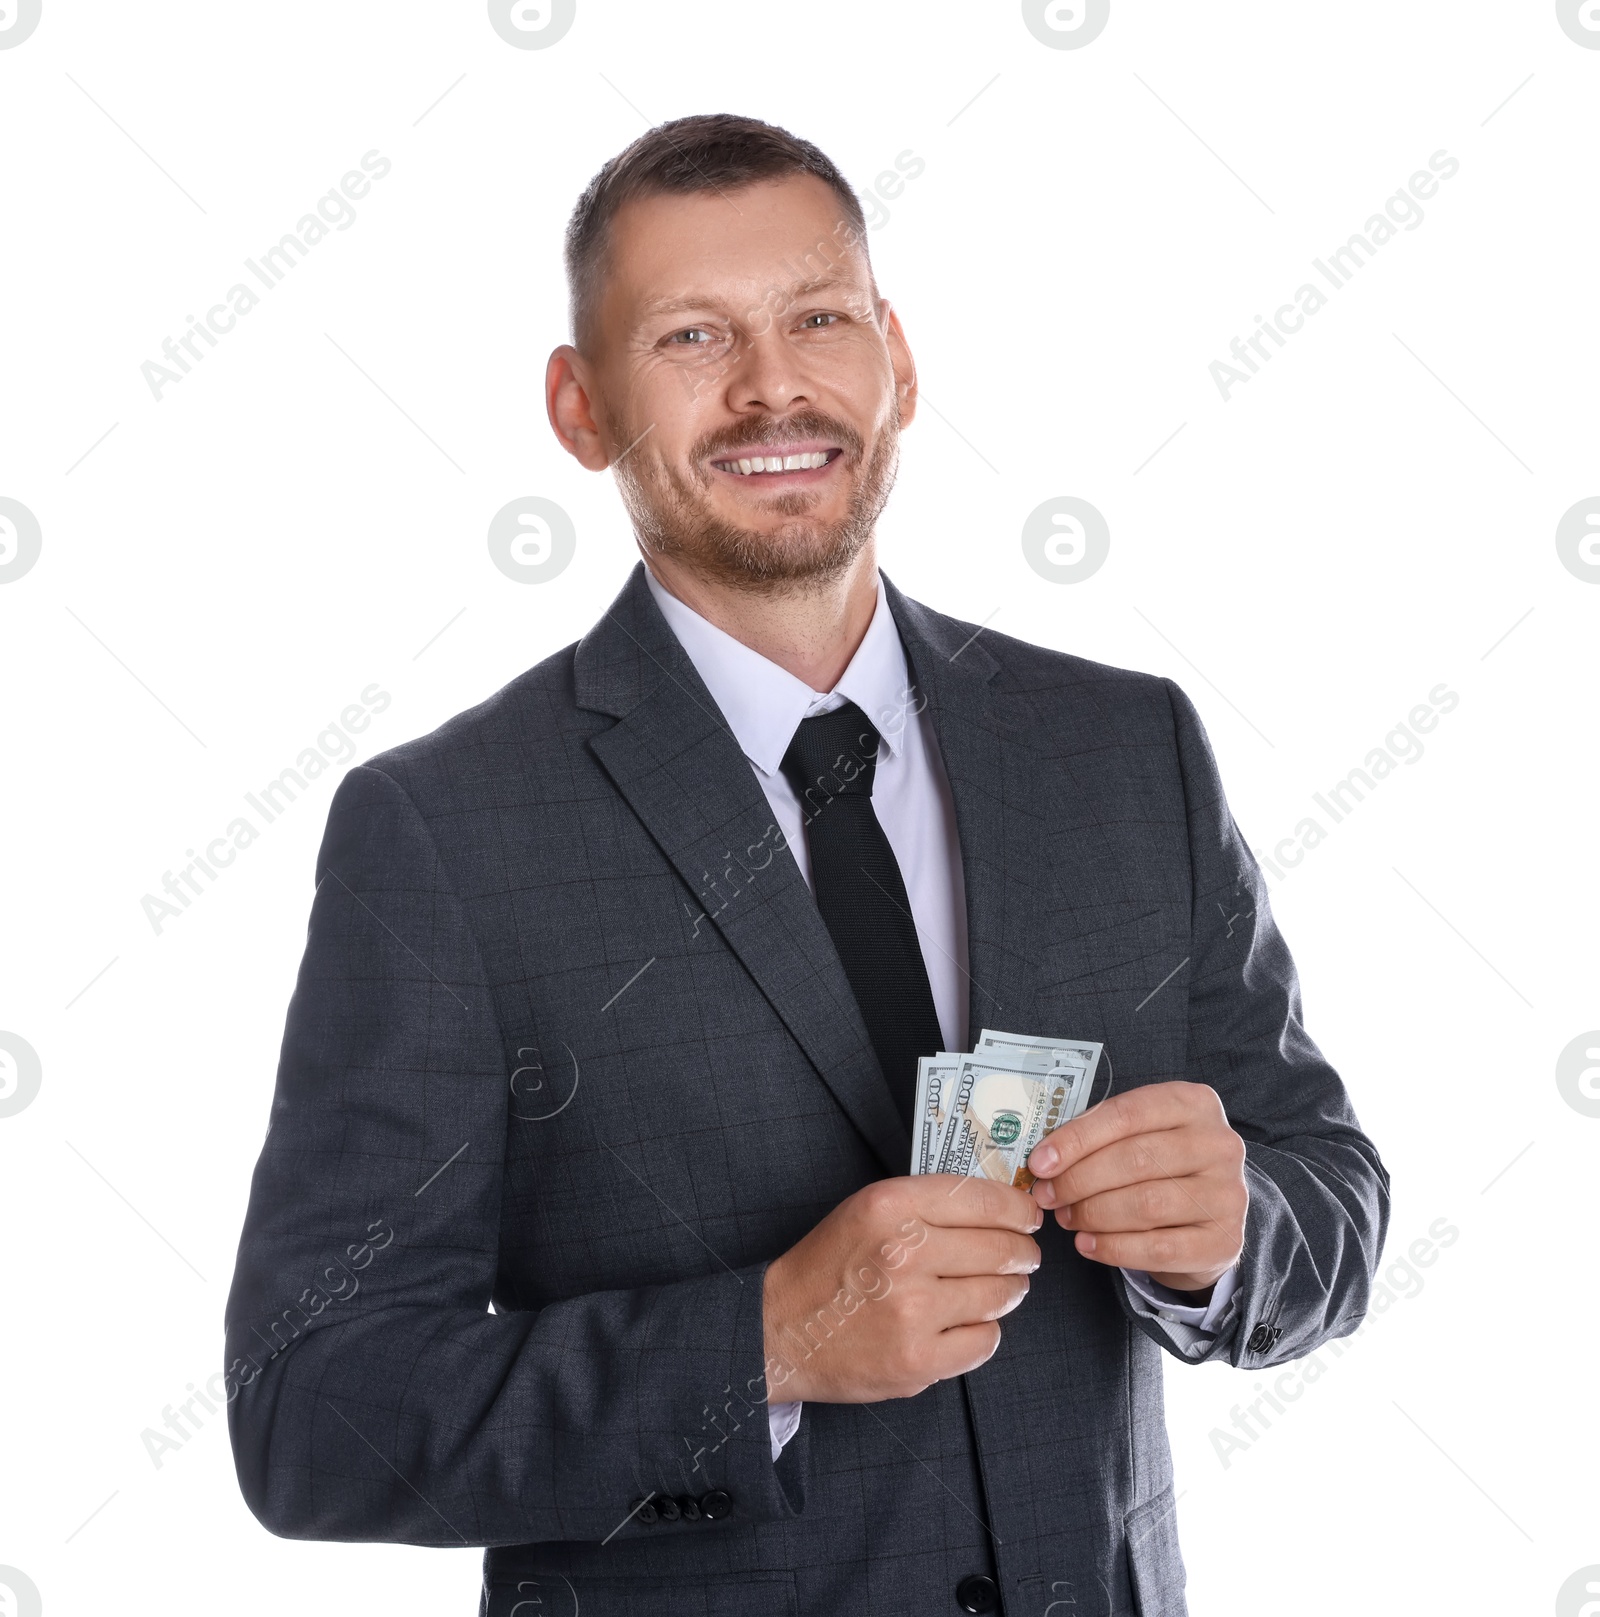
(714, 1460)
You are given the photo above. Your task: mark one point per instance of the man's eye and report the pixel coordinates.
(685, 338)
(810, 317)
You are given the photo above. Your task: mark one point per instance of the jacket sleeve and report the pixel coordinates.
(372, 1394)
(1319, 1194)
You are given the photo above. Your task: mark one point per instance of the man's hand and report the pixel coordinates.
(898, 1287)
(1152, 1179)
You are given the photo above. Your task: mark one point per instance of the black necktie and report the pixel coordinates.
(831, 764)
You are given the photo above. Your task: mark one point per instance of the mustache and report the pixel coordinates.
(772, 432)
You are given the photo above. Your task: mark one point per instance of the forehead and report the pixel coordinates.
(729, 248)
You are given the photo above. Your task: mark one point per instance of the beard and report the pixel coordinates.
(672, 514)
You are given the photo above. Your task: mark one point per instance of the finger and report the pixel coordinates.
(1170, 1153)
(1152, 1205)
(1137, 1111)
(962, 1348)
(951, 1254)
(954, 1202)
(975, 1300)
(1191, 1250)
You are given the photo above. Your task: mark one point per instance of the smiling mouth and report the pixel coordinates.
(804, 464)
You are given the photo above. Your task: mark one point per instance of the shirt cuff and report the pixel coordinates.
(1185, 1322)
(783, 1421)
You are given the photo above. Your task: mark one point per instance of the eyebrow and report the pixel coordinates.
(691, 305)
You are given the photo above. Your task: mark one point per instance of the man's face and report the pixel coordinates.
(734, 327)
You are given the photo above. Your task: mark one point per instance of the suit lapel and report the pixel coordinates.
(673, 758)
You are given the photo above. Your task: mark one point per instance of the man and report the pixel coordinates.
(583, 1228)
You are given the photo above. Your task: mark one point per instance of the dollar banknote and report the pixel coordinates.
(997, 1116)
(980, 1115)
(1040, 1055)
(935, 1080)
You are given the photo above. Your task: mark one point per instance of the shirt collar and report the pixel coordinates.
(764, 703)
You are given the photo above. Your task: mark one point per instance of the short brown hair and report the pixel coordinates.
(715, 151)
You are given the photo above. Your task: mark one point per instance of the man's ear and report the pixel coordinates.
(567, 381)
(905, 367)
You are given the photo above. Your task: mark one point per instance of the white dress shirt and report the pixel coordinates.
(764, 705)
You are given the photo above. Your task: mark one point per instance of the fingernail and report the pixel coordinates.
(1044, 1160)
(1086, 1242)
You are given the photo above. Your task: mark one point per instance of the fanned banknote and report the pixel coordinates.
(980, 1115)
(935, 1080)
(1040, 1055)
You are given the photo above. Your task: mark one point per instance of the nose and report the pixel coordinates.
(766, 376)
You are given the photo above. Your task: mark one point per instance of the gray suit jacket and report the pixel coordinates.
(571, 1058)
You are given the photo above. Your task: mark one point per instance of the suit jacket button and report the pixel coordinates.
(716, 1504)
(645, 1512)
(1260, 1339)
(690, 1506)
(977, 1594)
(668, 1508)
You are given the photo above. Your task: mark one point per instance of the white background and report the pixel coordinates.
(304, 514)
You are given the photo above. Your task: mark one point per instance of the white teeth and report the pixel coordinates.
(776, 463)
